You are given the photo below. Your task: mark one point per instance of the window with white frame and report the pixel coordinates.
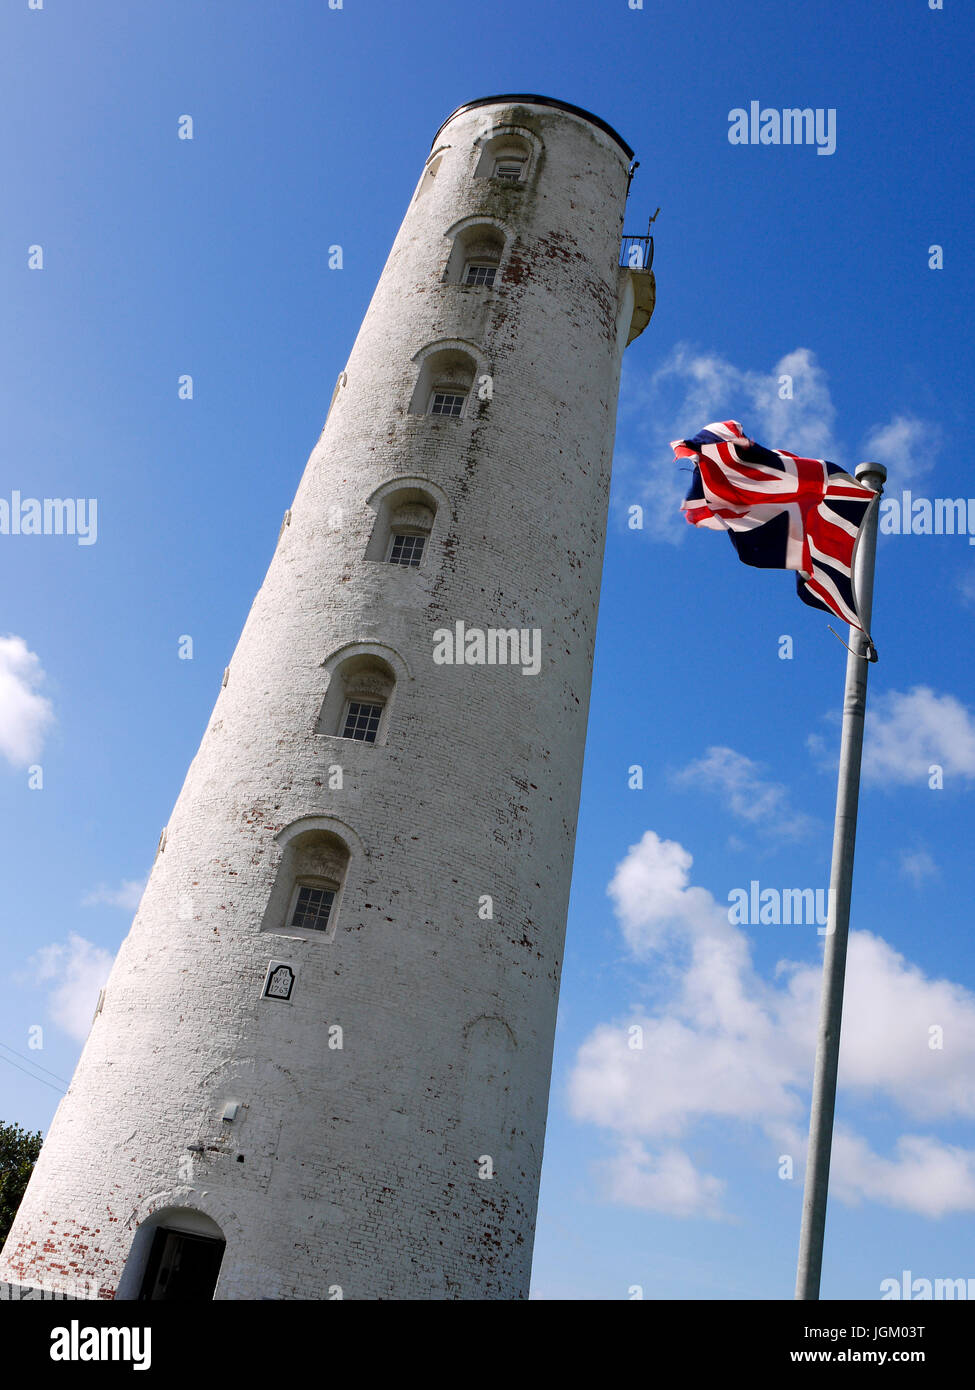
(305, 900)
(404, 521)
(361, 720)
(476, 253)
(444, 381)
(479, 273)
(508, 154)
(510, 168)
(446, 403)
(311, 905)
(357, 700)
(406, 549)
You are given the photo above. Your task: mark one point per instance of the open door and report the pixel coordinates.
(182, 1268)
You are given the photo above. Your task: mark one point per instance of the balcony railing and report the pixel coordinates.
(636, 252)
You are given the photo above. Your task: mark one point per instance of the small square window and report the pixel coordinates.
(479, 274)
(509, 170)
(446, 403)
(313, 907)
(362, 721)
(406, 550)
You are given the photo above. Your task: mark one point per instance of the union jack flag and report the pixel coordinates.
(781, 511)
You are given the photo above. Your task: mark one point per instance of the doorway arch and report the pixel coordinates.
(175, 1257)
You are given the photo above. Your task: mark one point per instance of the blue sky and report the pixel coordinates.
(209, 257)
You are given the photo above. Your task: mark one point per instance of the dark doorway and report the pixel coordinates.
(182, 1268)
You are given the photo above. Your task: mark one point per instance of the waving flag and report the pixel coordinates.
(781, 511)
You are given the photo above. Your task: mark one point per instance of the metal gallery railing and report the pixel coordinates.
(636, 252)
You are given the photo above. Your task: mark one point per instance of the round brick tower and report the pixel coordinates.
(321, 1065)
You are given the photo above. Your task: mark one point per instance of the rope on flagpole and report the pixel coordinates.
(869, 655)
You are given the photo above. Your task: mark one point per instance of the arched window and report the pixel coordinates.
(428, 176)
(357, 701)
(406, 514)
(444, 384)
(304, 901)
(506, 155)
(409, 527)
(475, 256)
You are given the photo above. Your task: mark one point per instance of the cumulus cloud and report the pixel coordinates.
(127, 895)
(804, 423)
(692, 388)
(73, 972)
(664, 1182)
(727, 1044)
(747, 794)
(918, 865)
(926, 1176)
(712, 388)
(788, 407)
(906, 446)
(909, 731)
(25, 714)
(653, 896)
(890, 1011)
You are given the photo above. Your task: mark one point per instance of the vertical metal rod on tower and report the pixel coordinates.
(838, 924)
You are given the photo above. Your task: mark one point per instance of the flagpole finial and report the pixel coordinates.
(863, 470)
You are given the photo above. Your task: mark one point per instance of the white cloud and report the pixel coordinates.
(906, 446)
(826, 754)
(727, 1044)
(127, 895)
(746, 793)
(25, 715)
(926, 1176)
(909, 731)
(666, 1182)
(804, 424)
(918, 865)
(653, 899)
(689, 390)
(890, 1007)
(74, 972)
(683, 1073)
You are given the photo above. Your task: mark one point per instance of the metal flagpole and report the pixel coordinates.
(872, 475)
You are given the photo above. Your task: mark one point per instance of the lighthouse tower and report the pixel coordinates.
(320, 1067)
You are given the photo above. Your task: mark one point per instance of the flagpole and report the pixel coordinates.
(872, 475)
